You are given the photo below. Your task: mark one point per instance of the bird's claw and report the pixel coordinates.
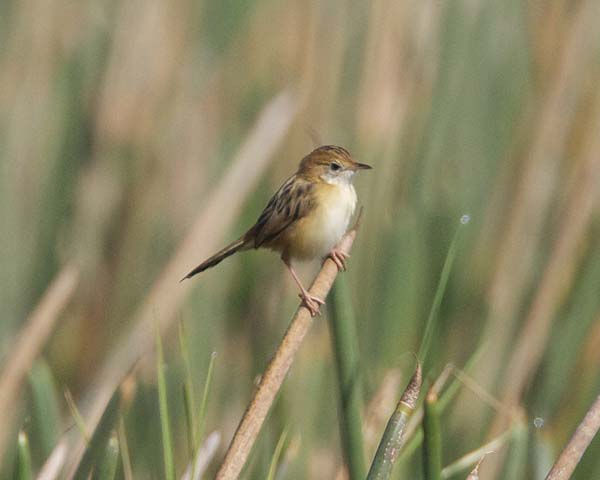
(339, 258)
(312, 303)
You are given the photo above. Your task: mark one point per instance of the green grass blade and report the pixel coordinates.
(473, 458)
(188, 395)
(24, 468)
(188, 409)
(79, 422)
(542, 455)
(204, 403)
(516, 463)
(444, 400)
(439, 293)
(124, 448)
(345, 348)
(391, 441)
(164, 411)
(277, 455)
(45, 411)
(97, 444)
(107, 468)
(432, 435)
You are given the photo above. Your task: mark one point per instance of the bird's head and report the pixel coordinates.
(330, 164)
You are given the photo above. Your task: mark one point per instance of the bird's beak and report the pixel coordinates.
(361, 166)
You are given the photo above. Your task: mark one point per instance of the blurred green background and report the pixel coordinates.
(125, 123)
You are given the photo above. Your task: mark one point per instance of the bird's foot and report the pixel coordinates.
(339, 258)
(312, 303)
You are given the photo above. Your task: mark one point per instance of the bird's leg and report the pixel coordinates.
(310, 301)
(339, 258)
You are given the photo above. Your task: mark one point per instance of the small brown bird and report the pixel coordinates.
(306, 217)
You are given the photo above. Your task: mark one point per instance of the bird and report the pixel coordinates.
(306, 218)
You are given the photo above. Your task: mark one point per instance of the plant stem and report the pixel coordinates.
(164, 412)
(439, 293)
(571, 455)
(391, 441)
(270, 384)
(432, 445)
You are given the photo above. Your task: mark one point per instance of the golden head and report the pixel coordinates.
(330, 163)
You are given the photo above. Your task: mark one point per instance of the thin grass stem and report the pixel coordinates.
(204, 402)
(472, 458)
(432, 436)
(413, 432)
(277, 455)
(97, 443)
(579, 442)
(431, 324)
(79, 422)
(188, 392)
(124, 448)
(164, 411)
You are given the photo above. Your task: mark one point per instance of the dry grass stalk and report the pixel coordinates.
(474, 475)
(32, 338)
(131, 104)
(513, 414)
(203, 457)
(571, 455)
(54, 464)
(533, 337)
(167, 294)
(532, 340)
(276, 371)
(417, 417)
(536, 191)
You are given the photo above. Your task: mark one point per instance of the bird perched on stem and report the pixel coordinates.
(306, 217)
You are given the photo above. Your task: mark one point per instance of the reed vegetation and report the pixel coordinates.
(137, 137)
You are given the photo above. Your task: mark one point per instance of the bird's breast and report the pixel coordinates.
(324, 227)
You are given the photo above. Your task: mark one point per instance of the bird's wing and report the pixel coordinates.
(294, 200)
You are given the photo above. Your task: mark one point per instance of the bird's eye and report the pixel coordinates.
(335, 166)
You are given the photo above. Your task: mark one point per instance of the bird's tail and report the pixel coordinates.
(218, 257)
